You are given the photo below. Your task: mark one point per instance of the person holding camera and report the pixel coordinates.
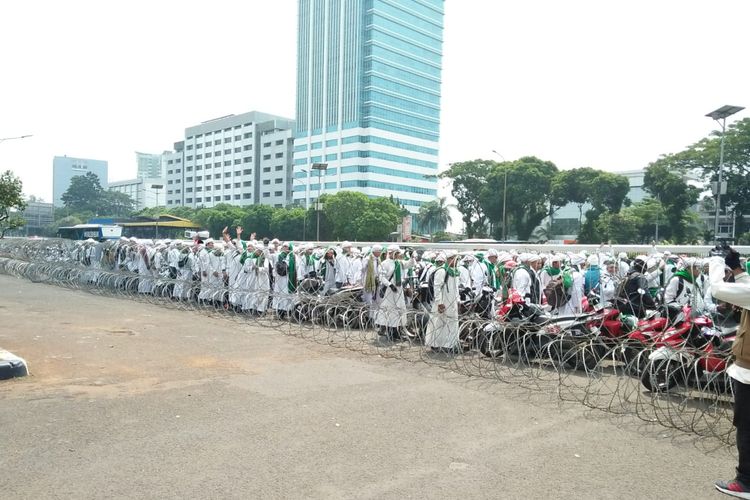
(736, 293)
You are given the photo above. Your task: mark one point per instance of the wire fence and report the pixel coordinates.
(671, 372)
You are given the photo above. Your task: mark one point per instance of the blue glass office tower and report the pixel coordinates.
(368, 98)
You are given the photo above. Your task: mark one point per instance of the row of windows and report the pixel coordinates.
(432, 23)
(216, 142)
(303, 175)
(431, 54)
(383, 68)
(390, 127)
(177, 160)
(377, 97)
(388, 142)
(382, 170)
(227, 197)
(228, 129)
(315, 187)
(431, 10)
(388, 186)
(429, 39)
(389, 157)
(218, 153)
(280, 142)
(406, 60)
(405, 89)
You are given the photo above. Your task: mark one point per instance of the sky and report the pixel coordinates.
(605, 84)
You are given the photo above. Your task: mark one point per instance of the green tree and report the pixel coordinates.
(675, 195)
(11, 200)
(288, 223)
(220, 216)
(615, 227)
(378, 220)
(529, 183)
(608, 191)
(468, 179)
(84, 194)
(573, 186)
(434, 215)
(342, 210)
(116, 204)
(257, 219)
(647, 214)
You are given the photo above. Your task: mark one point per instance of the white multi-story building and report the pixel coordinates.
(64, 168)
(237, 159)
(149, 165)
(145, 192)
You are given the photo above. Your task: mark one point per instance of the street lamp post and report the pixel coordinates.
(157, 187)
(304, 220)
(721, 114)
(505, 191)
(320, 167)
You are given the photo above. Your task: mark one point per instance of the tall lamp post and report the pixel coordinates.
(304, 220)
(157, 187)
(505, 191)
(720, 116)
(320, 167)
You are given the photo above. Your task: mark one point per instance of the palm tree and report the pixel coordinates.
(434, 215)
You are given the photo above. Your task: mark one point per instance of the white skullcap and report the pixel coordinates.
(577, 259)
(533, 257)
(492, 253)
(441, 257)
(593, 260)
(393, 248)
(345, 244)
(209, 240)
(365, 250)
(555, 258)
(450, 253)
(622, 255)
(504, 257)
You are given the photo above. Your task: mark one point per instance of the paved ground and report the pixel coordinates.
(139, 401)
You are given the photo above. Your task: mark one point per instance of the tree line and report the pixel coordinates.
(536, 189)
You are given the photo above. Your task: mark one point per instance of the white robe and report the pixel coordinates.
(392, 310)
(442, 329)
(184, 278)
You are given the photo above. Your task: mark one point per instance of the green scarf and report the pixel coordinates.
(397, 271)
(244, 257)
(491, 272)
(291, 271)
(552, 271)
(451, 271)
(684, 273)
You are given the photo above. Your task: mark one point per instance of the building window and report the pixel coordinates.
(217, 164)
(199, 178)
(217, 187)
(199, 189)
(236, 197)
(237, 161)
(178, 191)
(227, 140)
(198, 146)
(237, 184)
(266, 169)
(237, 150)
(189, 190)
(227, 151)
(266, 157)
(199, 167)
(208, 154)
(169, 192)
(237, 137)
(278, 181)
(198, 157)
(247, 159)
(189, 147)
(208, 176)
(247, 183)
(227, 197)
(198, 200)
(266, 144)
(188, 158)
(248, 147)
(169, 181)
(169, 172)
(228, 186)
(227, 163)
(278, 193)
(279, 155)
(208, 188)
(188, 169)
(246, 196)
(247, 171)
(266, 182)
(217, 142)
(208, 144)
(280, 142)
(188, 200)
(267, 195)
(217, 198)
(248, 135)
(279, 168)
(177, 170)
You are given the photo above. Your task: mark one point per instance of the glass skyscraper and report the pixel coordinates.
(368, 98)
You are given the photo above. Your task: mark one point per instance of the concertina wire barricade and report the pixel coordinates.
(571, 359)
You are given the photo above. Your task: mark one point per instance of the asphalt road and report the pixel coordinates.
(130, 400)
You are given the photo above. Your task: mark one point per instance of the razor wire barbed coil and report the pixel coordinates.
(574, 361)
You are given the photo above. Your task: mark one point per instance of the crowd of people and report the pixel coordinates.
(259, 276)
